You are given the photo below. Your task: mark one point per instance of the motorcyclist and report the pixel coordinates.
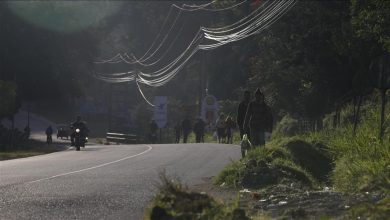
(80, 125)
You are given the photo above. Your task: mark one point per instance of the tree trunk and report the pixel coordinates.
(337, 117)
(356, 115)
(382, 122)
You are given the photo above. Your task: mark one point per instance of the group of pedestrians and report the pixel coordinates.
(185, 127)
(224, 129)
(254, 118)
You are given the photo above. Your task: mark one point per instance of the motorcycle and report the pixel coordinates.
(79, 139)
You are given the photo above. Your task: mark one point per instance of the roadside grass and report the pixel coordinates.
(175, 201)
(265, 166)
(29, 149)
(361, 161)
(336, 157)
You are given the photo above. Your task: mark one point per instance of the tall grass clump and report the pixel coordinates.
(175, 201)
(362, 159)
(265, 166)
(351, 161)
(288, 126)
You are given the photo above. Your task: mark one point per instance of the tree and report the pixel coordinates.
(371, 20)
(8, 99)
(310, 58)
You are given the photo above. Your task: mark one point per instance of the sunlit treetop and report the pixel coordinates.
(64, 16)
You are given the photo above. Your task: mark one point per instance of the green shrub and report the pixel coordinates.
(361, 160)
(348, 161)
(314, 159)
(294, 172)
(229, 175)
(264, 166)
(327, 121)
(288, 126)
(175, 201)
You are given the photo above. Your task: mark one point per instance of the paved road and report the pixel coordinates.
(101, 182)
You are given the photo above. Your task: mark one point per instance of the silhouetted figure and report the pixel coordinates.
(153, 131)
(230, 125)
(241, 112)
(27, 132)
(49, 133)
(177, 132)
(80, 125)
(186, 128)
(221, 128)
(199, 130)
(259, 118)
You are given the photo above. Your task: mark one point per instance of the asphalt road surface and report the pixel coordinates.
(102, 182)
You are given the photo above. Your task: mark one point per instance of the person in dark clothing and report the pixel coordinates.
(153, 131)
(177, 132)
(80, 125)
(199, 130)
(259, 119)
(49, 133)
(230, 125)
(242, 107)
(186, 128)
(221, 128)
(27, 131)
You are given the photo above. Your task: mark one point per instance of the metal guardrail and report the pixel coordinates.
(122, 138)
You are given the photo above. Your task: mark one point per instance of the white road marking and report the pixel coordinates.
(91, 168)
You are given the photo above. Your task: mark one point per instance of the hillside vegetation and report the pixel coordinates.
(335, 158)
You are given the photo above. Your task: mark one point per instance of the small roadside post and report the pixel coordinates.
(160, 112)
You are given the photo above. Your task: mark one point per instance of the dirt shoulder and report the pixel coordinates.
(291, 202)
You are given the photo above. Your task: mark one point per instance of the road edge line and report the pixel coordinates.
(91, 168)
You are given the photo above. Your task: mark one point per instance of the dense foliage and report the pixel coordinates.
(318, 53)
(8, 99)
(359, 161)
(308, 63)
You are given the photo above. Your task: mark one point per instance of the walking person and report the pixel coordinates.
(221, 128)
(241, 112)
(259, 119)
(153, 132)
(199, 130)
(186, 128)
(26, 133)
(49, 133)
(230, 125)
(177, 132)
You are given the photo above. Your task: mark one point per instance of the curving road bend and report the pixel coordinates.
(102, 182)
